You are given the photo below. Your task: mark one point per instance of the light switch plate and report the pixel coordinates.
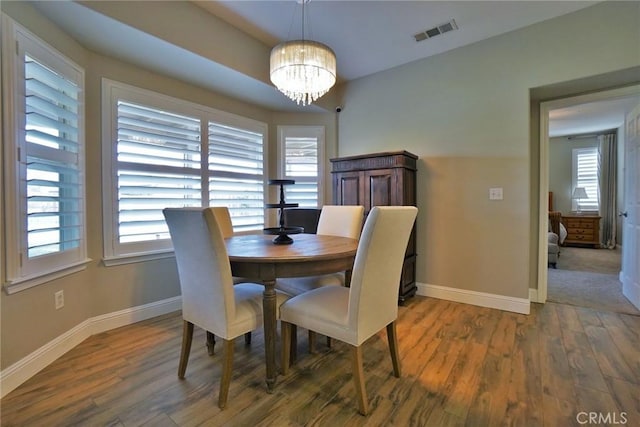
(495, 193)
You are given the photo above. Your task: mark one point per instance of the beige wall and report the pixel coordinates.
(470, 107)
(464, 239)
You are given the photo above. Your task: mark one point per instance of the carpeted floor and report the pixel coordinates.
(588, 278)
(604, 261)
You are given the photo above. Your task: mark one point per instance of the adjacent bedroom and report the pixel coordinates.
(585, 203)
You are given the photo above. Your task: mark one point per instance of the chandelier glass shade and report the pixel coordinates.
(303, 70)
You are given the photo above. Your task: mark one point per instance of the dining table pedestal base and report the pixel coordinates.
(255, 258)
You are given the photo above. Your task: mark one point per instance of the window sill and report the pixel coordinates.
(23, 283)
(135, 258)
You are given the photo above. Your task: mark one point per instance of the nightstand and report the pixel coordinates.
(582, 230)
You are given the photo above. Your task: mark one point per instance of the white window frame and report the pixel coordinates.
(593, 191)
(116, 253)
(317, 132)
(23, 272)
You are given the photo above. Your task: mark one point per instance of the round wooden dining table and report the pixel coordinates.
(256, 258)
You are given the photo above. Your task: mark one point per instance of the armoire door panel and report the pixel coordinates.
(349, 189)
(380, 189)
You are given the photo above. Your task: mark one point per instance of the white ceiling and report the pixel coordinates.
(371, 36)
(367, 36)
(591, 117)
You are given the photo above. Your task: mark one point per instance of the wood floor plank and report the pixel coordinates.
(462, 365)
(557, 380)
(588, 317)
(582, 362)
(416, 409)
(462, 384)
(630, 328)
(548, 321)
(632, 322)
(626, 339)
(159, 420)
(612, 363)
(489, 404)
(627, 399)
(440, 365)
(568, 317)
(558, 412)
(524, 403)
(595, 401)
(73, 397)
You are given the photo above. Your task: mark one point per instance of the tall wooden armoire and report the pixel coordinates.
(380, 179)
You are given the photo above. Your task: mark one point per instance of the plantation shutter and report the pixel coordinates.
(301, 165)
(236, 174)
(587, 177)
(158, 164)
(54, 187)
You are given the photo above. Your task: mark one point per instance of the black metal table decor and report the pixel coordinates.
(282, 231)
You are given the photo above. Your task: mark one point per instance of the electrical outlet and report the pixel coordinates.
(59, 298)
(495, 193)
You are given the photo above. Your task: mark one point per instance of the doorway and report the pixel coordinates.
(545, 109)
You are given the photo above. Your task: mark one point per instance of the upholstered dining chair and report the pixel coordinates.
(307, 218)
(209, 298)
(354, 314)
(334, 220)
(223, 217)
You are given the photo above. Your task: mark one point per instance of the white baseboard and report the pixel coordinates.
(25, 368)
(533, 295)
(501, 302)
(109, 321)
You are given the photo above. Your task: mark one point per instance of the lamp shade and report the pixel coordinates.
(303, 70)
(580, 193)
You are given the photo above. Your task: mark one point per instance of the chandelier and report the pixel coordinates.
(303, 70)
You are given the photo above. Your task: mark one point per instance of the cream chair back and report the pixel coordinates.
(223, 217)
(203, 267)
(373, 298)
(341, 220)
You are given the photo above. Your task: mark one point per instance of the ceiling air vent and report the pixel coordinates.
(436, 31)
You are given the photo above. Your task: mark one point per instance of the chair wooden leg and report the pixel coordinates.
(329, 342)
(286, 346)
(227, 367)
(187, 337)
(358, 380)
(211, 343)
(247, 338)
(312, 342)
(293, 355)
(392, 337)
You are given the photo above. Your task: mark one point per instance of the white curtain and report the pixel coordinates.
(608, 181)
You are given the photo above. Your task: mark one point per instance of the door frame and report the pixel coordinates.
(540, 295)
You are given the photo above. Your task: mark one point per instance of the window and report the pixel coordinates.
(44, 160)
(163, 152)
(585, 174)
(301, 152)
(236, 174)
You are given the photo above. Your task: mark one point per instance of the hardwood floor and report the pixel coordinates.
(461, 365)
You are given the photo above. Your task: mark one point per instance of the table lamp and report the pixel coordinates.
(579, 193)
